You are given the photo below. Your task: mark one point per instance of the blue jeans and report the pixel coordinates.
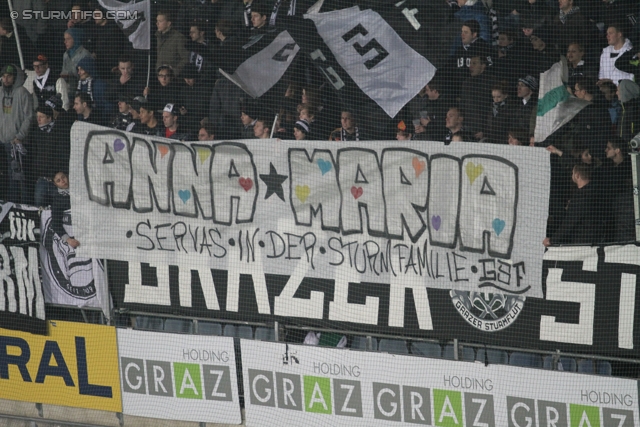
(45, 190)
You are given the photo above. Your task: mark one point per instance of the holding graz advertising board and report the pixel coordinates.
(411, 216)
(305, 385)
(186, 378)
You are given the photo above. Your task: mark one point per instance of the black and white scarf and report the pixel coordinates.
(564, 15)
(88, 83)
(48, 127)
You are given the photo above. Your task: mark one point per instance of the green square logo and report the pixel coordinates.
(317, 395)
(584, 416)
(187, 379)
(447, 407)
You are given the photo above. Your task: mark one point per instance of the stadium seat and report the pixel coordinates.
(209, 328)
(238, 331)
(567, 364)
(265, 334)
(603, 368)
(393, 346)
(589, 366)
(526, 360)
(359, 342)
(498, 357)
(465, 353)
(148, 323)
(427, 349)
(178, 326)
(585, 366)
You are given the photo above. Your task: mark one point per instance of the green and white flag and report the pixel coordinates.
(556, 106)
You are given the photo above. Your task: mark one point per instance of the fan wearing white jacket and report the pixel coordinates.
(618, 44)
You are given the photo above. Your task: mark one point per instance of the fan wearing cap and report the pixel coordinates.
(171, 120)
(124, 119)
(15, 120)
(544, 54)
(527, 108)
(47, 83)
(300, 130)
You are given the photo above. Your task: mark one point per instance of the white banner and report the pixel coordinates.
(466, 216)
(306, 385)
(377, 59)
(188, 378)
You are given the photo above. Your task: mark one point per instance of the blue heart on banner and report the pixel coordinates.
(498, 225)
(184, 195)
(324, 166)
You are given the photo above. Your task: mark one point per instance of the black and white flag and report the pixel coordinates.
(134, 18)
(21, 297)
(376, 58)
(262, 70)
(68, 279)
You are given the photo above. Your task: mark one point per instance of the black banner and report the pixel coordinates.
(21, 297)
(590, 305)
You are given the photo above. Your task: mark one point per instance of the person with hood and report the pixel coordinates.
(15, 120)
(49, 152)
(95, 87)
(618, 44)
(73, 38)
(629, 121)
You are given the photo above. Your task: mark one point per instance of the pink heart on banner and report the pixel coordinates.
(245, 183)
(356, 192)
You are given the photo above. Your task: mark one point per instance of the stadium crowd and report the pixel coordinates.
(485, 90)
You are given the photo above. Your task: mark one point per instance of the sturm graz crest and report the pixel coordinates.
(487, 312)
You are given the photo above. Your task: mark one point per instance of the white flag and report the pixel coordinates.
(134, 18)
(378, 60)
(556, 107)
(260, 72)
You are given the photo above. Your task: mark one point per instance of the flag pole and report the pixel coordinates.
(273, 126)
(15, 34)
(148, 67)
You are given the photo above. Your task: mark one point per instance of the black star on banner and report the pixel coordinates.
(274, 182)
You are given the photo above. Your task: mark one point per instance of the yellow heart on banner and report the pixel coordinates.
(302, 192)
(203, 154)
(473, 171)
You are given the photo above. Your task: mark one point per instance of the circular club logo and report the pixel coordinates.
(487, 312)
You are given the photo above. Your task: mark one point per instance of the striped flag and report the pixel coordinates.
(556, 106)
